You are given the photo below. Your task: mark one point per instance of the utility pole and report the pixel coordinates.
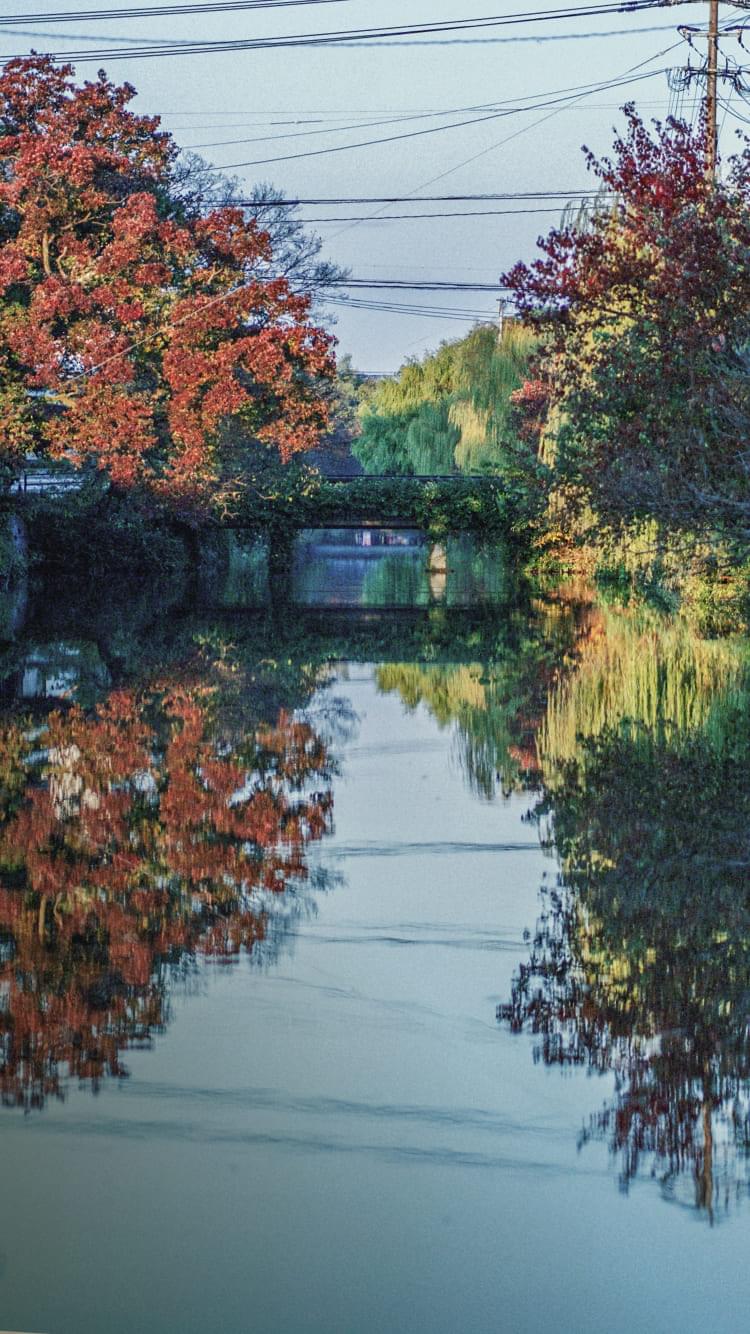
(501, 304)
(712, 76)
(680, 80)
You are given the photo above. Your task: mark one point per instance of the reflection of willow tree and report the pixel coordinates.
(641, 965)
(397, 580)
(133, 839)
(640, 668)
(473, 576)
(475, 705)
(493, 706)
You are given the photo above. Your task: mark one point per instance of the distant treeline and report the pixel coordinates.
(450, 412)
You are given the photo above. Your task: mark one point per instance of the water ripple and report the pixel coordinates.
(433, 849)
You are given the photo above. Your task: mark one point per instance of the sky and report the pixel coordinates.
(332, 95)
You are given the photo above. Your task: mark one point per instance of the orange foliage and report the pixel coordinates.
(127, 845)
(130, 329)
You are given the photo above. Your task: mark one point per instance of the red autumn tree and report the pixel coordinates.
(131, 330)
(645, 313)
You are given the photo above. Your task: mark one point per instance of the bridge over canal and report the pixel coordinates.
(436, 506)
(441, 503)
(453, 502)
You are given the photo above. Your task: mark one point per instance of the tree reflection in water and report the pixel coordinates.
(641, 962)
(164, 825)
(635, 736)
(494, 704)
(136, 838)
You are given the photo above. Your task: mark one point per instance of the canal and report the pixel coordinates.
(376, 962)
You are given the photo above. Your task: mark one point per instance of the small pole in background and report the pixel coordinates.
(712, 74)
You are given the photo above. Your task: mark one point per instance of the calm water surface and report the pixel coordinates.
(368, 970)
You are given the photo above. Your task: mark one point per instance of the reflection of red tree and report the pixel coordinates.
(136, 837)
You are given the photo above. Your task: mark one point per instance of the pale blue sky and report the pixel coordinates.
(207, 98)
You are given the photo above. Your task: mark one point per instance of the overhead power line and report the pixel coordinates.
(307, 117)
(385, 303)
(401, 308)
(370, 143)
(422, 217)
(394, 119)
(575, 197)
(507, 106)
(490, 109)
(419, 285)
(365, 120)
(357, 35)
(163, 11)
(543, 104)
(422, 199)
(515, 38)
(493, 147)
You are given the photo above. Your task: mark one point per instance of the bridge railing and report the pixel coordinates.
(45, 477)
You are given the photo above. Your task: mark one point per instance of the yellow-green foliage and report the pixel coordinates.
(709, 580)
(474, 704)
(418, 382)
(472, 424)
(431, 441)
(451, 410)
(717, 600)
(636, 670)
(447, 691)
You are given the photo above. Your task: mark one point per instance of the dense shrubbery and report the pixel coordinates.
(644, 316)
(307, 500)
(97, 533)
(455, 506)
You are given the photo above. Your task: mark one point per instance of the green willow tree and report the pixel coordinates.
(450, 412)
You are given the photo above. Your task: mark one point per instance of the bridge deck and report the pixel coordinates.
(348, 521)
(409, 477)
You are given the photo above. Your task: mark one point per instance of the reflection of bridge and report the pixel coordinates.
(47, 669)
(434, 634)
